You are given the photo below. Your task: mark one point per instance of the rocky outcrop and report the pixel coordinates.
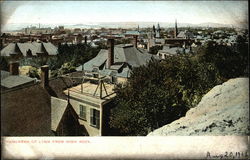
(224, 110)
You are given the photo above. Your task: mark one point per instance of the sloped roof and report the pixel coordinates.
(35, 48)
(38, 47)
(26, 112)
(96, 61)
(9, 49)
(123, 53)
(24, 47)
(59, 84)
(50, 48)
(184, 34)
(172, 50)
(16, 80)
(4, 74)
(58, 107)
(132, 33)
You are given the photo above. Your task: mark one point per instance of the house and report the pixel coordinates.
(92, 107)
(34, 49)
(116, 62)
(12, 80)
(25, 110)
(185, 34)
(171, 50)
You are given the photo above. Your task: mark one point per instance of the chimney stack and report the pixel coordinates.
(85, 40)
(45, 76)
(110, 60)
(135, 41)
(14, 68)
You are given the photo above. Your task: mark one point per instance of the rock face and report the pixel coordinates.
(224, 110)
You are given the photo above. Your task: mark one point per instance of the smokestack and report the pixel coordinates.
(135, 41)
(110, 60)
(175, 29)
(85, 40)
(45, 76)
(14, 68)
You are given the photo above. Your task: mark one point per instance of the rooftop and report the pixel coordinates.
(92, 91)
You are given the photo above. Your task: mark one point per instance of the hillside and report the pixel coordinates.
(224, 110)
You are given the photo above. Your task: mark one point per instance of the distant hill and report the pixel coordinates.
(19, 26)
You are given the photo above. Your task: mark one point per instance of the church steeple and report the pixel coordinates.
(175, 29)
(154, 31)
(158, 30)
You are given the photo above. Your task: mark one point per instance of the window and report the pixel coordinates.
(95, 118)
(82, 112)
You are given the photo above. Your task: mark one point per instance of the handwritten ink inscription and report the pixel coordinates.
(228, 155)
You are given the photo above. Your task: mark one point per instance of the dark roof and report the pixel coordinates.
(13, 81)
(58, 107)
(9, 81)
(34, 47)
(123, 53)
(59, 84)
(4, 74)
(26, 112)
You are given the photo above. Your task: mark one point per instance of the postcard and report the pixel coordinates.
(124, 80)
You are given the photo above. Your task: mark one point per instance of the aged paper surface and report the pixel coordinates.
(169, 147)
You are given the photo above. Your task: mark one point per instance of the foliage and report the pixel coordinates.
(33, 73)
(160, 92)
(4, 63)
(76, 54)
(154, 50)
(33, 61)
(66, 68)
(231, 62)
(71, 56)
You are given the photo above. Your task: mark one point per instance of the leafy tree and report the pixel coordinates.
(3, 63)
(230, 62)
(154, 50)
(161, 92)
(33, 73)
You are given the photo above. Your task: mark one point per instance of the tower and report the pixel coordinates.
(158, 31)
(154, 30)
(175, 29)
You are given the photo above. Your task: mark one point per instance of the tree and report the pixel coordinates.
(4, 63)
(230, 62)
(154, 50)
(161, 92)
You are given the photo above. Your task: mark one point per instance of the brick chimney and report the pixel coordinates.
(45, 76)
(135, 41)
(85, 40)
(14, 68)
(110, 60)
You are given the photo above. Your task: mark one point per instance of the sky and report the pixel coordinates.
(91, 12)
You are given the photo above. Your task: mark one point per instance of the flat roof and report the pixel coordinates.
(87, 90)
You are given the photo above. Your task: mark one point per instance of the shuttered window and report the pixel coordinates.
(95, 118)
(82, 112)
